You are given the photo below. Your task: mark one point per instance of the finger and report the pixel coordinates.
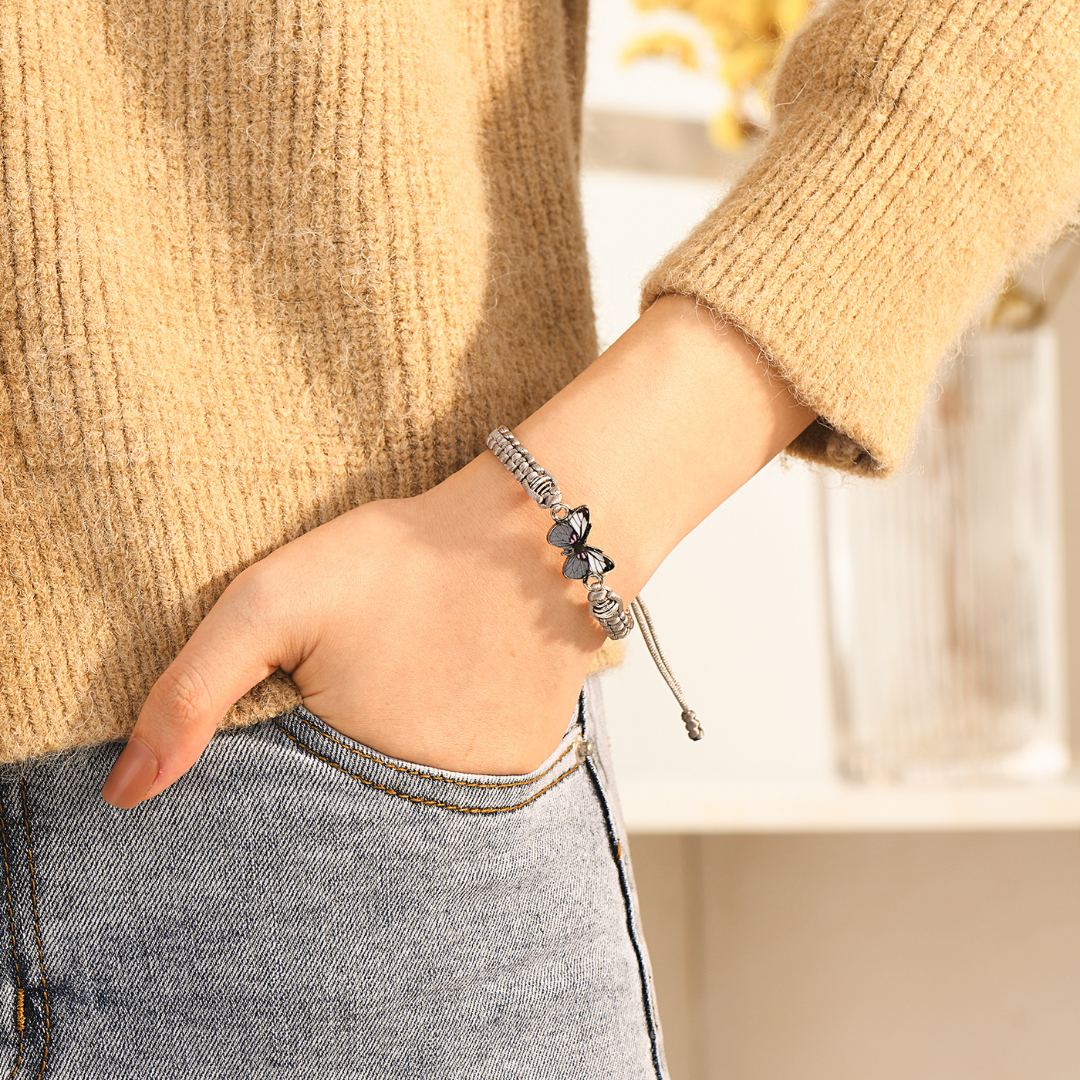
(231, 650)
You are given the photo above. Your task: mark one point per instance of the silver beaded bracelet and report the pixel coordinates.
(585, 563)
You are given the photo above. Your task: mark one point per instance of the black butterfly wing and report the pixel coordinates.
(576, 566)
(585, 561)
(572, 531)
(561, 535)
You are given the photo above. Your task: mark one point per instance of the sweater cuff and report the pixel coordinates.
(910, 169)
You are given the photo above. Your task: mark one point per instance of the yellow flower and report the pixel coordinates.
(748, 36)
(746, 64)
(662, 43)
(725, 131)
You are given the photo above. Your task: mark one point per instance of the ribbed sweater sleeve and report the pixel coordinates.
(920, 150)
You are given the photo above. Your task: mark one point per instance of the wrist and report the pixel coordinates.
(656, 433)
(667, 423)
(483, 509)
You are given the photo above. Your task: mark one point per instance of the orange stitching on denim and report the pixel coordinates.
(37, 928)
(20, 1010)
(11, 920)
(432, 802)
(434, 776)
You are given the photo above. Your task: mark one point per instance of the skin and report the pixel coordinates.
(473, 658)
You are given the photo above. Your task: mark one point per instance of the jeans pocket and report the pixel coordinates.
(423, 785)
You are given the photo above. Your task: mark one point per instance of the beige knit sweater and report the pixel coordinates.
(261, 262)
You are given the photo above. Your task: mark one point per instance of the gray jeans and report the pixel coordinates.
(301, 906)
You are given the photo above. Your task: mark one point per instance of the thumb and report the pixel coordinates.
(232, 649)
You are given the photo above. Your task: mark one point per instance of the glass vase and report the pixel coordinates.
(945, 582)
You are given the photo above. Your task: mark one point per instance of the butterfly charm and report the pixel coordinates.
(570, 534)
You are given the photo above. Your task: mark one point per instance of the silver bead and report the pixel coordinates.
(607, 609)
(693, 728)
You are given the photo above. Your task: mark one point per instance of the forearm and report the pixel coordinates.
(672, 419)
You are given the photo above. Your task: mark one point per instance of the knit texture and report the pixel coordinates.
(260, 263)
(920, 152)
(263, 262)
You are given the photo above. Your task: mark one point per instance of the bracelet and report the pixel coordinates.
(584, 562)
(571, 529)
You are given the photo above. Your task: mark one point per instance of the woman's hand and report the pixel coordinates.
(436, 629)
(439, 629)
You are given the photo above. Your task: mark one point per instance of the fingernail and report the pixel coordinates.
(130, 779)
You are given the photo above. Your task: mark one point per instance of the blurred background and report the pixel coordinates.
(870, 866)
